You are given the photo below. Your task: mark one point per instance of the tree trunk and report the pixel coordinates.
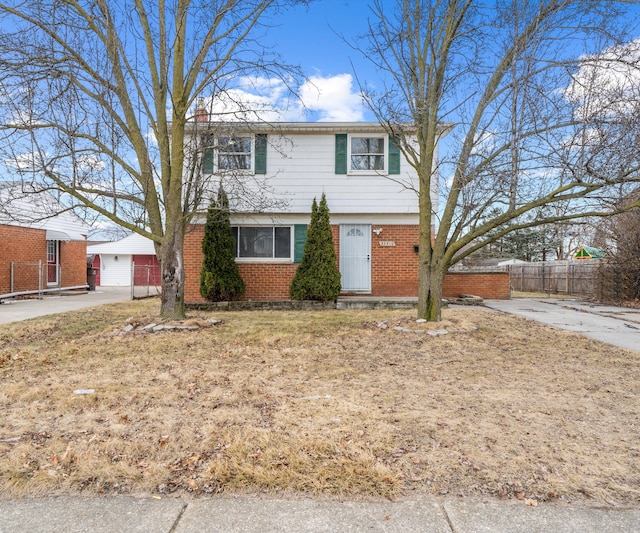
(432, 266)
(431, 278)
(172, 299)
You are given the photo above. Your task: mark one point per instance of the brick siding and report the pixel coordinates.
(490, 285)
(73, 263)
(393, 270)
(192, 256)
(21, 245)
(28, 245)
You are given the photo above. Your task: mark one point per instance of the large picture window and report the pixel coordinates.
(263, 242)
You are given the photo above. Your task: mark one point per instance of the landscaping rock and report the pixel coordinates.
(466, 299)
(407, 330)
(141, 325)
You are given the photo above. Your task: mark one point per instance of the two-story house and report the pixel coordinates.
(370, 190)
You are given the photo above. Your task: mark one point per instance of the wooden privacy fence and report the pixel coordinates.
(573, 278)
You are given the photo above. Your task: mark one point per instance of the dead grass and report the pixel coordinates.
(328, 402)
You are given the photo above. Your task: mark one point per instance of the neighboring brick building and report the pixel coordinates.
(40, 249)
(370, 191)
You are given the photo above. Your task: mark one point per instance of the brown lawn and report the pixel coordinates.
(323, 403)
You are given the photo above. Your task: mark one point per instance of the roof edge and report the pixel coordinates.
(306, 127)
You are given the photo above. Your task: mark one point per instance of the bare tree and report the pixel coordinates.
(98, 102)
(533, 142)
(619, 236)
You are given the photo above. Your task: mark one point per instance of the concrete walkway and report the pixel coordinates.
(244, 514)
(619, 326)
(12, 310)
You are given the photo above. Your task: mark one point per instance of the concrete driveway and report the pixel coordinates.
(619, 326)
(16, 310)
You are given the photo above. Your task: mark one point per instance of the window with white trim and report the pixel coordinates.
(367, 154)
(263, 242)
(52, 252)
(234, 153)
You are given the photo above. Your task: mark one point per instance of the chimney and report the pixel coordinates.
(201, 112)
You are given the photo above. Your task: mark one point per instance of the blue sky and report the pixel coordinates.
(311, 38)
(309, 35)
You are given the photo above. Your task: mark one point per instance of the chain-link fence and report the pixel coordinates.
(25, 278)
(30, 279)
(146, 281)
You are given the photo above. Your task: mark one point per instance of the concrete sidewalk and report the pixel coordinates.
(619, 326)
(248, 515)
(12, 310)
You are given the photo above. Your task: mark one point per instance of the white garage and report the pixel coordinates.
(114, 260)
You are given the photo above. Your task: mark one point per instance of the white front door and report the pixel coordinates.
(355, 257)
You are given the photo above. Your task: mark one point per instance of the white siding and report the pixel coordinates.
(39, 211)
(302, 166)
(115, 273)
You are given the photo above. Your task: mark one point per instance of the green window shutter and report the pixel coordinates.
(260, 166)
(341, 153)
(207, 161)
(299, 238)
(394, 157)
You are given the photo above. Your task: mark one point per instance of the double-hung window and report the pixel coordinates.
(367, 154)
(234, 153)
(263, 242)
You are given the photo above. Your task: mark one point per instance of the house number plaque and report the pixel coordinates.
(387, 243)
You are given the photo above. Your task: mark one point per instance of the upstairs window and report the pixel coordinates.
(234, 153)
(367, 153)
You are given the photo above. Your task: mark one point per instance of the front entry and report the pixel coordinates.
(53, 262)
(355, 257)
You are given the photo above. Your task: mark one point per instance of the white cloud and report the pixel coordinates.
(607, 84)
(242, 105)
(89, 163)
(332, 98)
(327, 99)
(25, 162)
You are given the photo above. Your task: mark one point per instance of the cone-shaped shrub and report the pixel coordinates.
(220, 278)
(317, 277)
